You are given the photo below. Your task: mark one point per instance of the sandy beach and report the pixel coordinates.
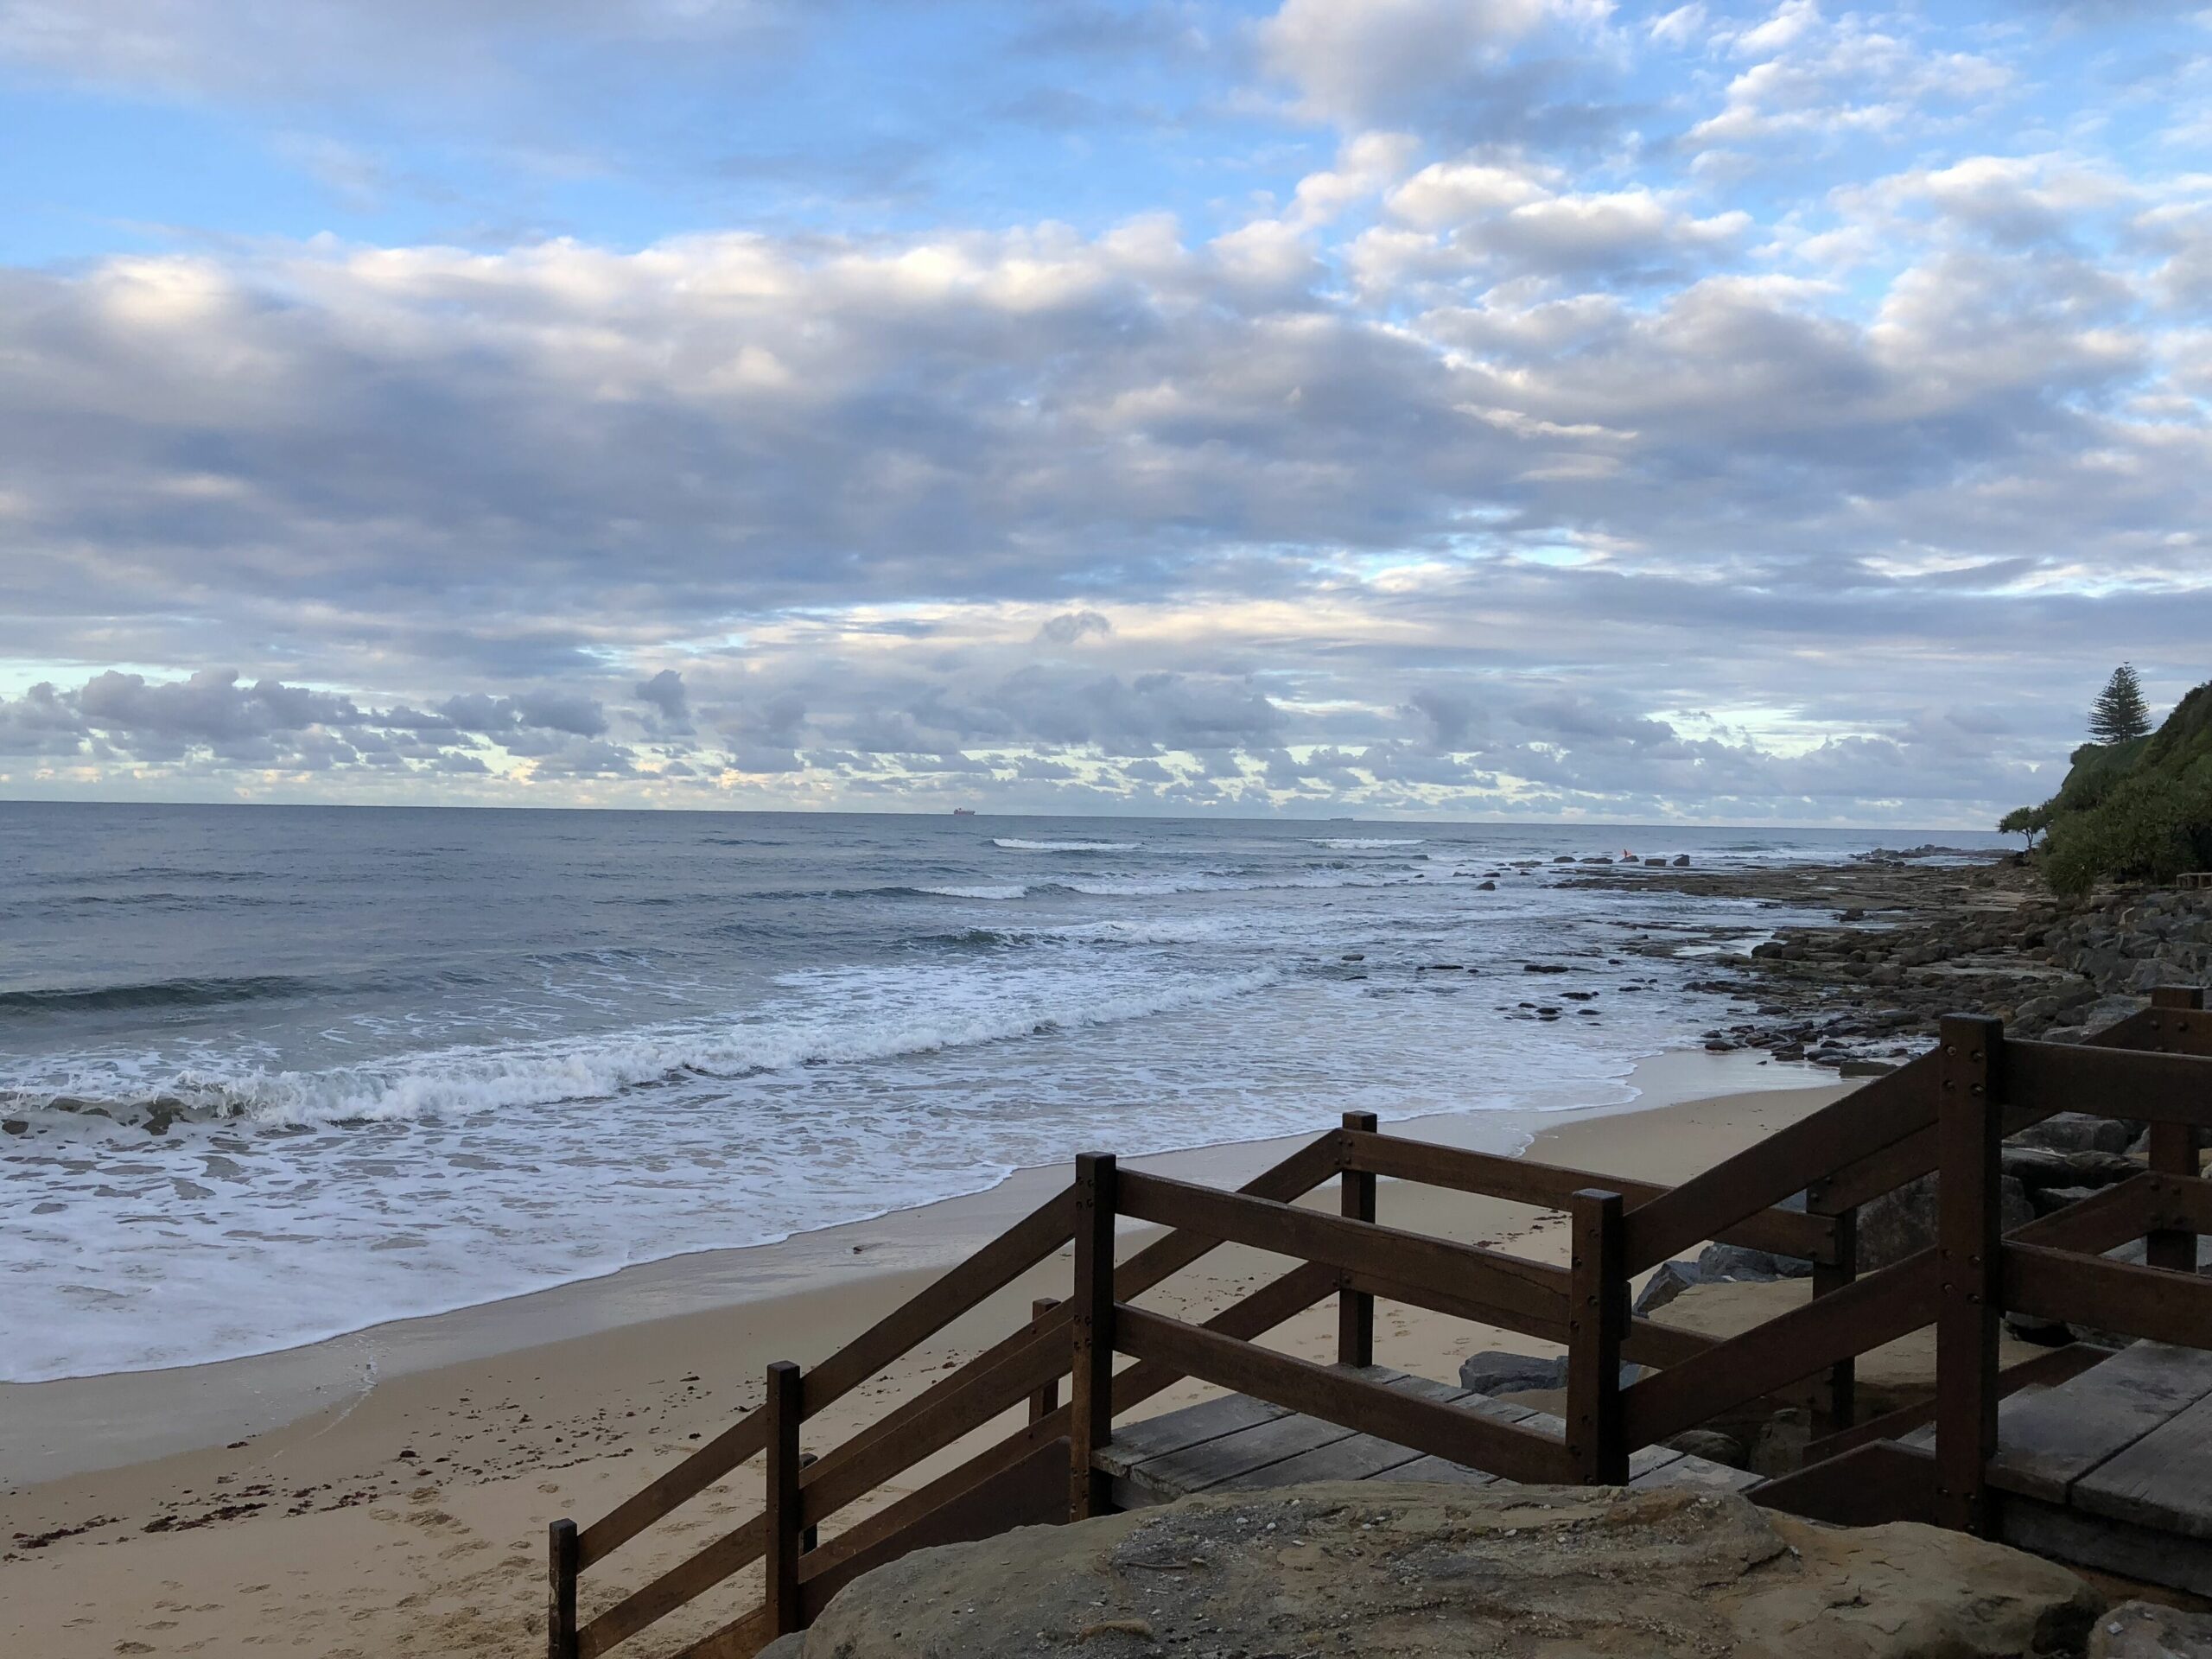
(387, 1493)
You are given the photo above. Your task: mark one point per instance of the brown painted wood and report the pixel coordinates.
(740, 1638)
(2048, 1441)
(1765, 1360)
(2173, 1148)
(1597, 1320)
(1415, 1260)
(1550, 1322)
(1885, 1110)
(1549, 1186)
(1865, 1487)
(1313, 1163)
(1041, 1232)
(786, 1386)
(2046, 1370)
(1090, 1393)
(968, 1399)
(1321, 1391)
(2107, 1295)
(561, 1591)
(2070, 1077)
(1857, 1182)
(1838, 1404)
(689, 1579)
(1356, 1309)
(1974, 1062)
(1047, 1400)
(1028, 1492)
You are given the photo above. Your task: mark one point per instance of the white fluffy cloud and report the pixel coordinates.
(1488, 464)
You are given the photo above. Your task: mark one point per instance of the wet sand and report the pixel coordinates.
(387, 1493)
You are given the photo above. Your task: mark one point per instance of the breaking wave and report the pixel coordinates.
(461, 1080)
(1014, 843)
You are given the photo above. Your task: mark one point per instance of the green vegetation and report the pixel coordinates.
(2138, 809)
(2120, 714)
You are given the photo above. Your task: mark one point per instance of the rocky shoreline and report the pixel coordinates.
(1914, 935)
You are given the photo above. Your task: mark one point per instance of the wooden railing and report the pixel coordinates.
(1946, 1112)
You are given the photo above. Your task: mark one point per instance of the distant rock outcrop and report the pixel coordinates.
(1382, 1570)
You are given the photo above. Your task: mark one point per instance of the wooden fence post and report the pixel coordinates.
(1090, 1381)
(1597, 1320)
(1969, 1134)
(1047, 1400)
(561, 1591)
(1356, 1309)
(785, 1411)
(2173, 1145)
(1828, 1277)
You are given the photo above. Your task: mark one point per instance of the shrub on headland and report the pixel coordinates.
(2139, 810)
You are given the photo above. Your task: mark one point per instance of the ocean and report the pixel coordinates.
(268, 1074)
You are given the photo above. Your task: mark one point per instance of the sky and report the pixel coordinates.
(1466, 408)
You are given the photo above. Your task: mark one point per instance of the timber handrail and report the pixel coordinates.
(1944, 1113)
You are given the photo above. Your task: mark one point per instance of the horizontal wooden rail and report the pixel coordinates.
(1521, 1180)
(2051, 1077)
(689, 1578)
(1908, 1159)
(1768, 1357)
(2107, 1295)
(2047, 1369)
(1028, 1241)
(1449, 1432)
(1885, 1111)
(855, 1469)
(1252, 1315)
(740, 1638)
(1415, 1260)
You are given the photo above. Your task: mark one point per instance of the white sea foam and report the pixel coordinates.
(1014, 843)
(465, 1080)
(1361, 843)
(995, 891)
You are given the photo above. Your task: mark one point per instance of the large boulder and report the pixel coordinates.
(1899, 1222)
(1383, 1570)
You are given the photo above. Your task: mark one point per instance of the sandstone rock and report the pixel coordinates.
(1385, 1571)
(2143, 1629)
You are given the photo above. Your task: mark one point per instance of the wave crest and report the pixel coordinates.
(457, 1081)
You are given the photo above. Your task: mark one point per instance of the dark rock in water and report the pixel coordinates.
(1353, 955)
(1682, 861)
(1544, 968)
(1485, 887)
(1654, 863)
(1864, 1068)
(1564, 858)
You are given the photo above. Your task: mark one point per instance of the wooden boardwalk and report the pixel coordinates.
(2113, 1468)
(1235, 1443)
